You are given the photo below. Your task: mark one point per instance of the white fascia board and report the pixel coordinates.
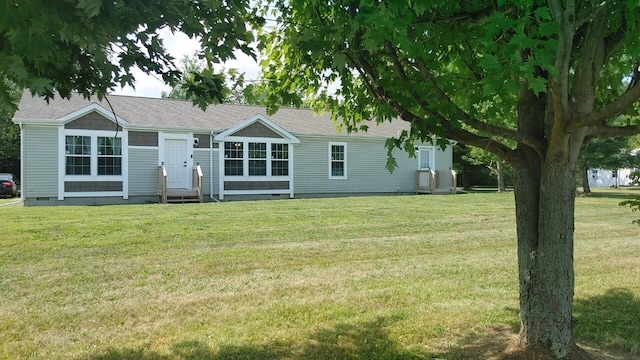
(266, 122)
(39, 122)
(172, 129)
(91, 108)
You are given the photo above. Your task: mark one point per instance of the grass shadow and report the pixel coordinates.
(610, 320)
(344, 341)
(621, 193)
(371, 340)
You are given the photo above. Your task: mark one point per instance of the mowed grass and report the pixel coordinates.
(399, 277)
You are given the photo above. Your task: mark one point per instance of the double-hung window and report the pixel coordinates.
(257, 159)
(93, 155)
(279, 159)
(233, 158)
(337, 160)
(109, 156)
(78, 155)
(245, 158)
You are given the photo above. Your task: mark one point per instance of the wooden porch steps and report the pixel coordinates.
(166, 195)
(183, 195)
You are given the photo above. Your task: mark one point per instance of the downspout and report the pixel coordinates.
(211, 168)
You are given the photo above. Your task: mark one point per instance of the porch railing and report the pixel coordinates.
(196, 177)
(193, 194)
(162, 184)
(432, 182)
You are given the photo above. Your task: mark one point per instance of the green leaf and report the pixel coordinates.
(90, 7)
(542, 13)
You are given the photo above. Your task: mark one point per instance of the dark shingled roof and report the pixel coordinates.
(170, 113)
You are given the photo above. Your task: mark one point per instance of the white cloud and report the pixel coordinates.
(179, 45)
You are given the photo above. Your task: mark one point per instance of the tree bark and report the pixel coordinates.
(545, 196)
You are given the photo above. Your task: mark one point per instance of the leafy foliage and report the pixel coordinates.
(528, 81)
(610, 154)
(634, 204)
(9, 132)
(450, 70)
(90, 46)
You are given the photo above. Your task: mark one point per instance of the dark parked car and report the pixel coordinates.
(8, 185)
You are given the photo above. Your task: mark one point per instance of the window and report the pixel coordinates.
(78, 155)
(279, 159)
(260, 159)
(424, 158)
(337, 160)
(257, 159)
(93, 155)
(109, 156)
(233, 158)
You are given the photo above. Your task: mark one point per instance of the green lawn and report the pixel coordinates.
(399, 277)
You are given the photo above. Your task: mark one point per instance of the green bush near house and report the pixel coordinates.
(393, 277)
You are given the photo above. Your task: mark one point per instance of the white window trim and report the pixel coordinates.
(245, 158)
(344, 145)
(245, 172)
(432, 157)
(94, 134)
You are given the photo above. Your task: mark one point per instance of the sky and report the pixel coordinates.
(179, 45)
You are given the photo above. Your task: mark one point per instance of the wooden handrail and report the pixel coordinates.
(454, 181)
(162, 183)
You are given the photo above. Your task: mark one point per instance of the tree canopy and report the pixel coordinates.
(91, 46)
(9, 132)
(526, 80)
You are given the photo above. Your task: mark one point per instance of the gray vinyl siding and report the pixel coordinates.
(443, 164)
(366, 171)
(143, 171)
(202, 157)
(40, 178)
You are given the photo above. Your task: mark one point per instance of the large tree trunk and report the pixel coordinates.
(545, 196)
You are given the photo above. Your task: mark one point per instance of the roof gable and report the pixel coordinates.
(257, 129)
(92, 121)
(88, 109)
(257, 126)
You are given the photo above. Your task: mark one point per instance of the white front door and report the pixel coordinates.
(176, 162)
(424, 159)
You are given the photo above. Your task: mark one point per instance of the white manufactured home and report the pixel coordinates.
(139, 150)
(610, 178)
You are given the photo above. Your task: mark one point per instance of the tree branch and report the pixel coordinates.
(473, 122)
(565, 17)
(608, 111)
(449, 131)
(612, 131)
